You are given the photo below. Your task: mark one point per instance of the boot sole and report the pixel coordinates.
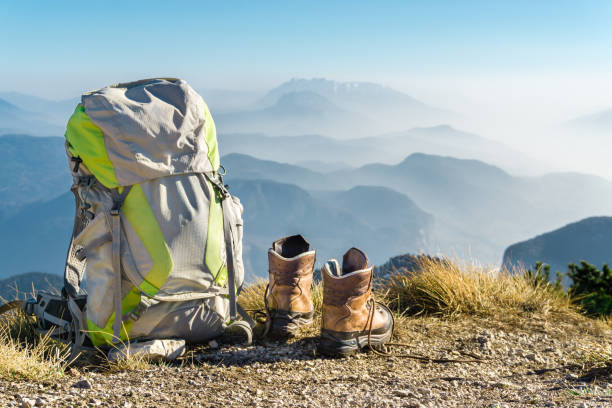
(334, 344)
(286, 324)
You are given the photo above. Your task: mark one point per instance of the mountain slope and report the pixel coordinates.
(274, 210)
(16, 120)
(292, 149)
(54, 112)
(31, 169)
(36, 237)
(588, 240)
(25, 285)
(244, 167)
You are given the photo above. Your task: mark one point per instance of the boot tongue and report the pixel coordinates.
(354, 260)
(290, 247)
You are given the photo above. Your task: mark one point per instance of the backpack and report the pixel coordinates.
(157, 238)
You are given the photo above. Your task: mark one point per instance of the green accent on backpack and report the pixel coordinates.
(214, 261)
(210, 135)
(86, 141)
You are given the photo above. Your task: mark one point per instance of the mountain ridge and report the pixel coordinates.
(587, 239)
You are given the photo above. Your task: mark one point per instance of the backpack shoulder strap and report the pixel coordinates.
(231, 238)
(115, 215)
(75, 265)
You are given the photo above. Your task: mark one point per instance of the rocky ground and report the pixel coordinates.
(525, 363)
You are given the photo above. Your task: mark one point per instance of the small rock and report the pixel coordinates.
(83, 384)
(40, 402)
(213, 344)
(403, 393)
(27, 403)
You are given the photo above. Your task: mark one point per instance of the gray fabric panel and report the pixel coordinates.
(195, 321)
(135, 258)
(181, 206)
(153, 350)
(151, 128)
(238, 231)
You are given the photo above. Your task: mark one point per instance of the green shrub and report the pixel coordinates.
(592, 288)
(540, 277)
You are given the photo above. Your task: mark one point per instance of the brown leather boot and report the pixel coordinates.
(350, 314)
(288, 299)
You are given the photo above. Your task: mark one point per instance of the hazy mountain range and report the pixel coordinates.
(344, 163)
(296, 107)
(338, 109)
(478, 209)
(425, 203)
(36, 238)
(329, 153)
(35, 231)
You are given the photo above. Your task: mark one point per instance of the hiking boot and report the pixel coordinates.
(288, 299)
(352, 319)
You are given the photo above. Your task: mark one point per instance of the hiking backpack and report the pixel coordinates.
(157, 237)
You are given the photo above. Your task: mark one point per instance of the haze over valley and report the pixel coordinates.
(343, 163)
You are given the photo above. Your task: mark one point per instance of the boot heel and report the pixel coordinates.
(291, 267)
(348, 305)
(331, 346)
(287, 324)
(341, 344)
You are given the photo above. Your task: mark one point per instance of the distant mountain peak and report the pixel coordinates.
(342, 93)
(305, 100)
(330, 85)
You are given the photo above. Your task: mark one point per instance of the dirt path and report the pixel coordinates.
(539, 365)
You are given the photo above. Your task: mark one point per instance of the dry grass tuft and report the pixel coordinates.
(252, 296)
(129, 362)
(446, 289)
(443, 288)
(252, 300)
(26, 355)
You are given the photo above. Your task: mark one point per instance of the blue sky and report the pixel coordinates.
(60, 48)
